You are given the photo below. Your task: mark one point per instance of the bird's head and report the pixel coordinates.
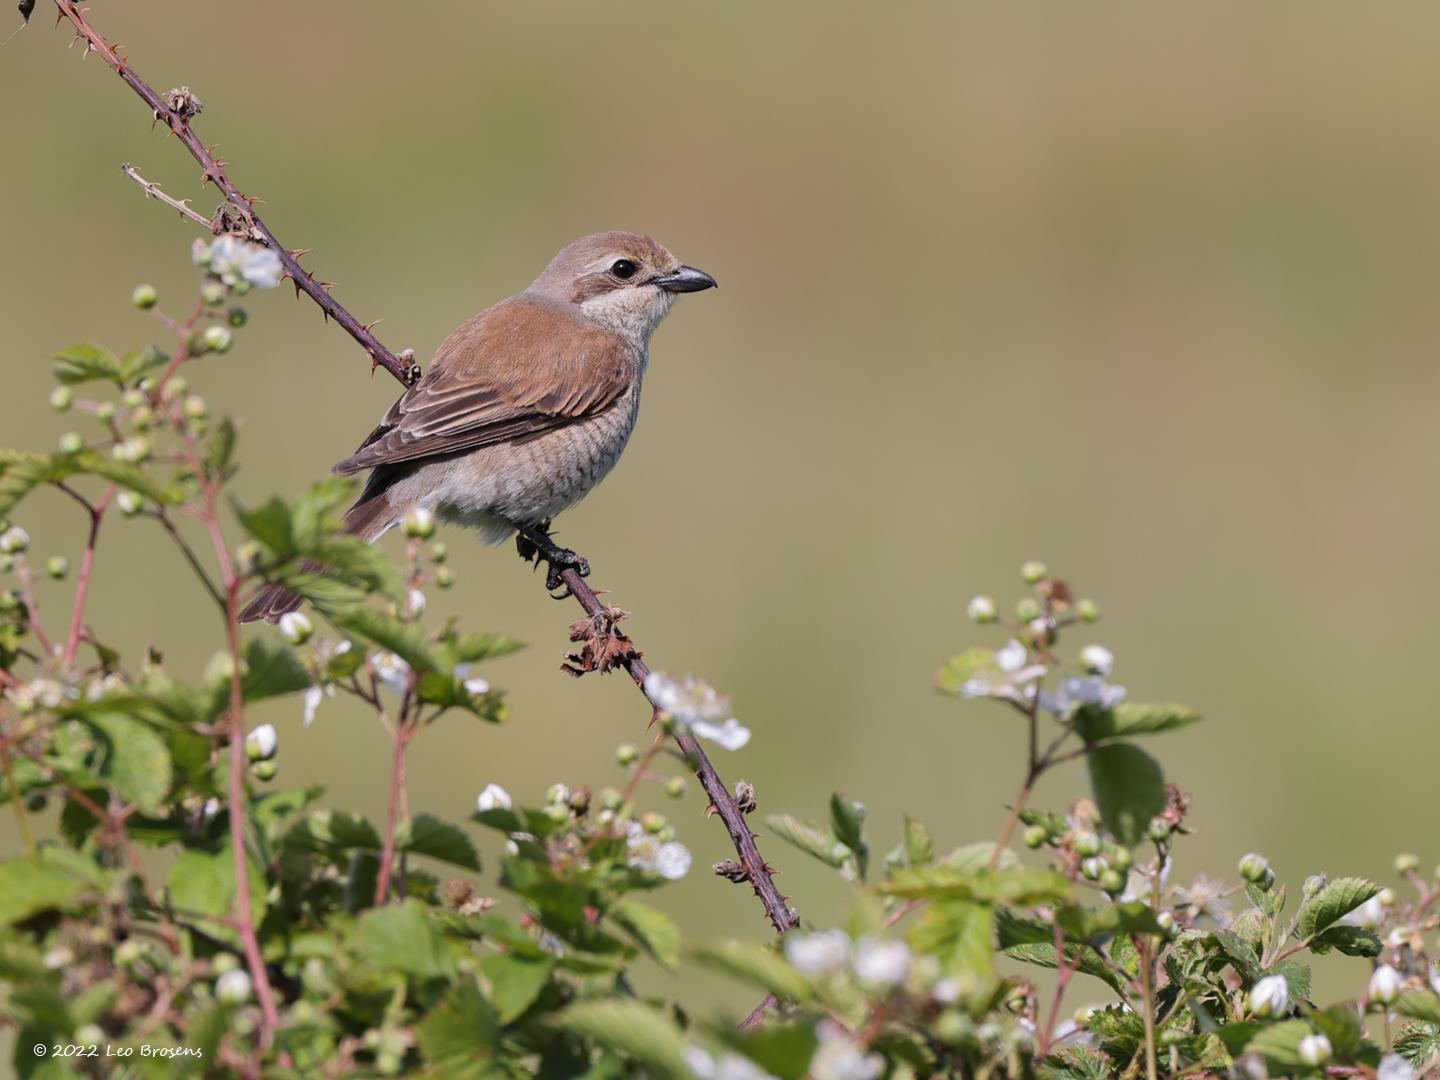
(623, 281)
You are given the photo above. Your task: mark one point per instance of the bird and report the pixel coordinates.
(524, 408)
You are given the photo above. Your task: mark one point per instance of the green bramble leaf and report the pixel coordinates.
(1132, 917)
(1077, 1063)
(847, 822)
(780, 1049)
(203, 883)
(801, 834)
(1127, 719)
(1279, 1044)
(958, 670)
(1020, 885)
(1350, 940)
(76, 364)
(400, 937)
(137, 762)
(314, 515)
(633, 1029)
(515, 982)
(758, 965)
(460, 1036)
(1297, 978)
(958, 933)
(1331, 904)
(1129, 789)
(472, 648)
(137, 362)
(1418, 1005)
(425, 834)
(270, 524)
(1341, 1025)
(405, 640)
(1417, 1043)
(919, 848)
(30, 886)
(652, 930)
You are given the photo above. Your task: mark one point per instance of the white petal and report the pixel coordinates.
(731, 735)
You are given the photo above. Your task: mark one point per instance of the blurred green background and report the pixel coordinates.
(1145, 291)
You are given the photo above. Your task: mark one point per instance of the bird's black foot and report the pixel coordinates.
(534, 544)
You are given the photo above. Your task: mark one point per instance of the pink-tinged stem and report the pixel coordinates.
(82, 583)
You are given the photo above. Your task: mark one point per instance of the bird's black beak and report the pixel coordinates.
(685, 279)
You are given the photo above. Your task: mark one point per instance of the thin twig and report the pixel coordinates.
(82, 583)
(152, 190)
(213, 171)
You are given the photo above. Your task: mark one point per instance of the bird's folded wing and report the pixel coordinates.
(511, 373)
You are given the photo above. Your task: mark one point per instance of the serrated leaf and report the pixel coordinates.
(809, 839)
(652, 930)
(460, 1035)
(1279, 1043)
(1132, 917)
(1332, 903)
(958, 933)
(472, 648)
(137, 362)
(429, 835)
(919, 848)
(83, 363)
(405, 640)
(1417, 1043)
(1350, 940)
(137, 762)
(958, 670)
(847, 822)
(1131, 718)
(1129, 789)
(757, 965)
(1017, 885)
(782, 1050)
(1296, 976)
(632, 1029)
(1077, 1063)
(1342, 1026)
(1418, 1005)
(270, 524)
(400, 937)
(20, 474)
(515, 982)
(30, 886)
(202, 882)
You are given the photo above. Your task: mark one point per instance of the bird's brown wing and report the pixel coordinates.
(514, 371)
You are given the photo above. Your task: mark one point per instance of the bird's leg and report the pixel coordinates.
(533, 542)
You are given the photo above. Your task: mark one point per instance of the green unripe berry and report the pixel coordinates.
(557, 793)
(1033, 571)
(7, 563)
(212, 293)
(444, 577)
(217, 339)
(1036, 835)
(439, 552)
(132, 398)
(241, 287)
(626, 754)
(71, 443)
(1093, 867)
(1253, 867)
(675, 787)
(610, 798)
(10, 602)
(1267, 881)
(223, 962)
(265, 771)
(1120, 858)
(1112, 881)
(1088, 611)
(195, 407)
(419, 523)
(57, 566)
(1407, 864)
(61, 398)
(1159, 830)
(176, 387)
(140, 417)
(129, 503)
(1027, 609)
(1086, 843)
(237, 316)
(653, 823)
(105, 412)
(144, 297)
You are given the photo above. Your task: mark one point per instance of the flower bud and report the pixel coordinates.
(1384, 985)
(61, 398)
(557, 793)
(14, 540)
(439, 552)
(1088, 611)
(212, 292)
(675, 787)
(233, 987)
(1407, 864)
(144, 297)
(420, 523)
(175, 387)
(10, 601)
(1253, 867)
(105, 412)
(237, 316)
(444, 577)
(247, 555)
(1120, 858)
(981, 609)
(297, 627)
(1033, 571)
(133, 450)
(610, 798)
(1386, 897)
(494, 797)
(1112, 881)
(58, 567)
(1036, 835)
(140, 417)
(217, 339)
(71, 443)
(1159, 830)
(1267, 880)
(1085, 843)
(195, 407)
(1097, 660)
(264, 771)
(653, 823)
(129, 503)
(626, 754)
(1312, 885)
(1093, 867)
(1167, 923)
(1027, 609)
(261, 744)
(7, 563)
(132, 398)
(1270, 996)
(557, 812)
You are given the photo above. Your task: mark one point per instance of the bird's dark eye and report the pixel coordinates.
(624, 269)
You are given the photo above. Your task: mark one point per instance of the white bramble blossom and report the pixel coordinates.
(981, 609)
(1270, 996)
(1076, 692)
(494, 797)
(840, 1057)
(233, 987)
(1315, 1049)
(415, 602)
(475, 686)
(1097, 660)
(820, 953)
(297, 627)
(696, 705)
(262, 743)
(881, 963)
(669, 859)
(313, 699)
(392, 672)
(1394, 1067)
(1384, 985)
(1367, 916)
(233, 259)
(1009, 678)
(14, 540)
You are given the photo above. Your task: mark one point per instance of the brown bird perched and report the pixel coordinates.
(524, 409)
